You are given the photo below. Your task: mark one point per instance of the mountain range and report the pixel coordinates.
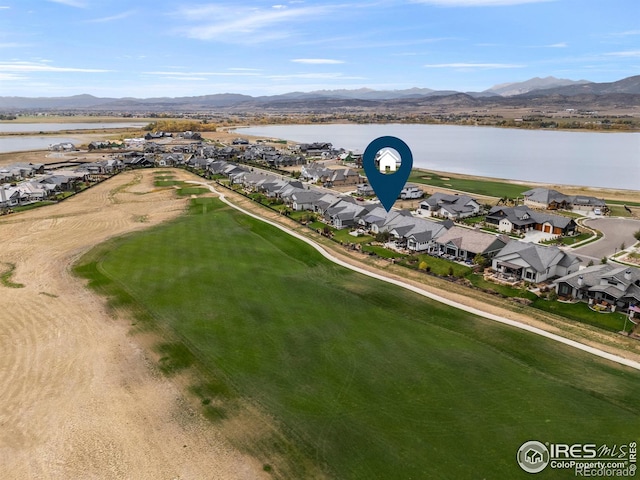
(536, 91)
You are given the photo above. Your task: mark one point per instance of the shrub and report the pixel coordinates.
(423, 265)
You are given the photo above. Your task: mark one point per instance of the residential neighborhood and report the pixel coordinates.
(341, 199)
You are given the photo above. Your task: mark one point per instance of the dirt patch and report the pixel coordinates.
(80, 396)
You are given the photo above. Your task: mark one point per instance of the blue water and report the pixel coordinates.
(594, 159)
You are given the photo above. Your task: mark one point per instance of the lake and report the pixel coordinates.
(57, 127)
(594, 159)
(28, 143)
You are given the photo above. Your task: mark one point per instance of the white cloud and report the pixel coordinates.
(4, 7)
(39, 67)
(11, 76)
(558, 45)
(235, 24)
(71, 3)
(626, 33)
(473, 65)
(315, 76)
(112, 18)
(317, 61)
(477, 3)
(628, 53)
(205, 74)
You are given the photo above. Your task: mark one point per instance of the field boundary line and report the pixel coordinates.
(475, 311)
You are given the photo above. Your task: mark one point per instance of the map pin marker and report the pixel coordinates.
(387, 185)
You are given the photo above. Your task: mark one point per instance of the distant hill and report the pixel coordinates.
(626, 85)
(535, 92)
(533, 84)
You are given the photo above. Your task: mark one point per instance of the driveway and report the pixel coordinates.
(616, 232)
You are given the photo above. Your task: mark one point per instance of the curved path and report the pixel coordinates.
(538, 331)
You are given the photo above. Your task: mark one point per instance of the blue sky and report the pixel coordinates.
(183, 47)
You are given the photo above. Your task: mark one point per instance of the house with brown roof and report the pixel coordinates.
(466, 243)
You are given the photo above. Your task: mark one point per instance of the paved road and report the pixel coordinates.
(433, 296)
(616, 231)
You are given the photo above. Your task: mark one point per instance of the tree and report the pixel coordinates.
(604, 260)
(590, 264)
(383, 237)
(552, 296)
(480, 260)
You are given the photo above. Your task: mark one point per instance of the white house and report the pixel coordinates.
(533, 263)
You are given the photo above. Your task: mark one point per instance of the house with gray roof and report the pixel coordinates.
(345, 213)
(549, 199)
(466, 243)
(453, 207)
(304, 199)
(615, 284)
(418, 234)
(533, 263)
(522, 219)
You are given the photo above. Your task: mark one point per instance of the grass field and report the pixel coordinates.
(362, 379)
(490, 188)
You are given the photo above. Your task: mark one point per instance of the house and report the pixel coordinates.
(189, 135)
(616, 284)
(344, 213)
(365, 190)
(409, 193)
(316, 148)
(10, 196)
(304, 199)
(465, 243)
(549, 199)
(240, 141)
(387, 162)
(453, 207)
(315, 172)
(417, 234)
(62, 147)
(344, 176)
(522, 219)
(533, 263)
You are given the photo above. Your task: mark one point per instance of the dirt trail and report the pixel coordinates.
(78, 398)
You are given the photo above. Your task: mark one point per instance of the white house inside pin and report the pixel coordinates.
(387, 162)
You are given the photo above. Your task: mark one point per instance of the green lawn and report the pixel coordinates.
(570, 240)
(506, 290)
(581, 312)
(441, 266)
(31, 206)
(344, 237)
(186, 191)
(382, 252)
(491, 188)
(363, 380)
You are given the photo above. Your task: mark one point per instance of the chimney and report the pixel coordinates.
(627, 275)
(580, 280)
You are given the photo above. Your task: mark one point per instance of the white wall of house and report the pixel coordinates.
(505, 225)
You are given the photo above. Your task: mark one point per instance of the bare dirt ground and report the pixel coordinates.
(79, 396)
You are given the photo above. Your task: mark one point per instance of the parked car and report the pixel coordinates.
(597, 211)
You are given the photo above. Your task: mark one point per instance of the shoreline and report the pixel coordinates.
(226, 134)
(617, 194)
